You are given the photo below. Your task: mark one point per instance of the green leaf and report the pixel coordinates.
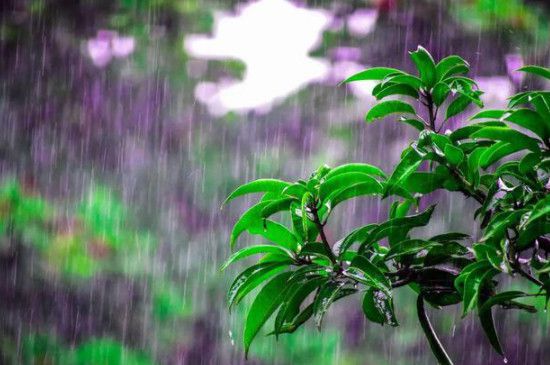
(386, 108)
(467, 131)
(254, 250)
(531, 120)
(435, 344)
(276, 206)
(375, 73)
(409, 247)
(541, 209)
(501, 222)
(378, 307)
(398, 225)
(486, 315)
(537, 70)
(366, 272)
(276, 233)
(252, 217)
(403, 79)
(357, 235)
(541, 102)
(356, 167)
(451, 236)
(449, 66)
(324, 298)
(267, 301)
(315, 249)
(423, 182)
(454, 155)
(250, 278)
(474, 282)
(408, 164)
(296, 190)
(529, 162)
(343, 181)
(457, 106)
(425, 65)
(258, 186)
(500, 299)
(415, 123)
(490, 114)
(290, 308)
(299, 320)
(496, 152)
(396, 89)
(440, 93)
(365, 188)
(508, 135)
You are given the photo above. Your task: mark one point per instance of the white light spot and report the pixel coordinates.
(273, 39)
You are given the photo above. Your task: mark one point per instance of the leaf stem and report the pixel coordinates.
(321, 229)
(436, 346)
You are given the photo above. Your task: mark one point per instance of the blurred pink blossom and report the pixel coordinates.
(513, 62)
(108, 44)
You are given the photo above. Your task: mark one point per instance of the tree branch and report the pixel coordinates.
(321, 229)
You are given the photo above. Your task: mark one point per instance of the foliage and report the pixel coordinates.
(499, 158)
(91, 240)
(44, 349)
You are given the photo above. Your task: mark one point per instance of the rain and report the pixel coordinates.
(127, 123)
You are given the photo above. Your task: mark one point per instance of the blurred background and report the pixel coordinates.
(125, 123)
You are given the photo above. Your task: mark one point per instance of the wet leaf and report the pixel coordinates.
(267, 301)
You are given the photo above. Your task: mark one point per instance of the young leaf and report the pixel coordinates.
(451, 65)
(265, 304)
(386, 108)
(378, 307)
(440, 92)
(425, 65)
(258, 186)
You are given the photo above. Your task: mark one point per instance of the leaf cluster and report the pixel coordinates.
(499, 158)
